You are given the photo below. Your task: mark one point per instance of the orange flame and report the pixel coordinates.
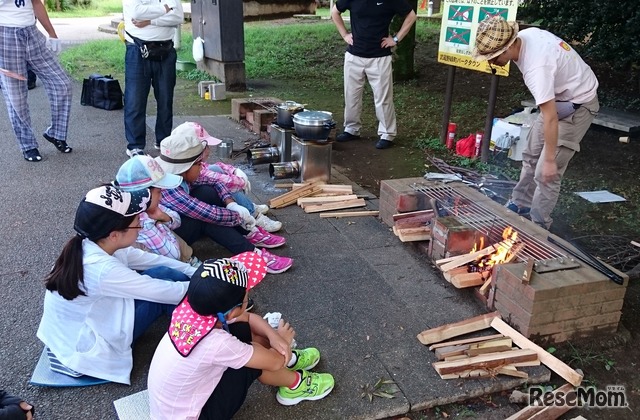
(501, 254)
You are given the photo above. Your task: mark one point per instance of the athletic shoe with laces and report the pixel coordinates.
(307, 358)
(275, 264)
(135, 152)
(261, 208)
(268, 224)
(262, 238)
(314, 386)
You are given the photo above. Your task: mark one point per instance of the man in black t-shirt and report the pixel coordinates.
(368, 57)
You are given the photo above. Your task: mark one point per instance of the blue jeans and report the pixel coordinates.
(139, 75)
(147, 312)
(239, 197)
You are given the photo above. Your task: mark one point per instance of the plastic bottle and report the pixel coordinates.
(207, 94)
(451, 135)
(479, 136)
(430, 8)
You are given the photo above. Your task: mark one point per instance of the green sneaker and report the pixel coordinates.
(307, 359)
(314, 386)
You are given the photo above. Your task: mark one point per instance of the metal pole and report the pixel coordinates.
(448, 98)
(486, 140)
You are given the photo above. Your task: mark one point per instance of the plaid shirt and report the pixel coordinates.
(179, 200)
(228, 179)
(158, 237)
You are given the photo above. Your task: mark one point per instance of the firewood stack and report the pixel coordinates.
(318, 197)
(413, 226)
(490, 355)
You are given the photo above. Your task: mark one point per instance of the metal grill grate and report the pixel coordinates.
(486, 222)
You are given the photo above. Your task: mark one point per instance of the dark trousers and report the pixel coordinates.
(232, 238)
(232, 389)
(139, 76)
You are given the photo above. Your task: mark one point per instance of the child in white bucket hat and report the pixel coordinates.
(206, 207)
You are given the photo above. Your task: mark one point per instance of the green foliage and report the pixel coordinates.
(82, 8)
(605, 30)
(383, 388)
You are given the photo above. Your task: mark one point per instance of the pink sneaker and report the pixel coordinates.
(264, 239)
(275, 264)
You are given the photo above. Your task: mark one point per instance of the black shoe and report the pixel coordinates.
(383, 144)
(346, 136)
(32, 155)
(31, 86)
(61, 145)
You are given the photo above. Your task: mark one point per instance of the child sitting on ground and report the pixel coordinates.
(237, 183)
(208, 209)
(156, 233)
(214, 350)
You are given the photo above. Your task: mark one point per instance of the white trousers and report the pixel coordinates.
(379, 73)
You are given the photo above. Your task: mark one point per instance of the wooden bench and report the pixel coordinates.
(607, 117)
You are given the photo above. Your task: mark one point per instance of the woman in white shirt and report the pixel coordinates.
(96, 302)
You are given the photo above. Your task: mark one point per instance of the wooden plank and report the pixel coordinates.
(444, 332)
(400, 216)
(467, 258)
(414, 221)
(483, 373)
(512, 371)
(608, 117)
(530, 410)
(413, 234)
(346, 204)
(339, 214)
(283, 185)
(553, 363)
(465, 341)
(634, 243)
(486, 361)
(464, 280)
(446, 353)
(293, 195)
(321, 200)
(483, 289)
(491, 346)
(528, 270)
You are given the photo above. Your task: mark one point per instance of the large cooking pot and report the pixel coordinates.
(286, 111)
(313, 125)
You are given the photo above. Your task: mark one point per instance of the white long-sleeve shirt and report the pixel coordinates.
(92, 334)
(163, 24)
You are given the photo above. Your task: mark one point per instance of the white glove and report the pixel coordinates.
(240, 174)
(248, 220)
(54, 44)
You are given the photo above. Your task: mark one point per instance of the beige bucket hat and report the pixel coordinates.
(493, 37)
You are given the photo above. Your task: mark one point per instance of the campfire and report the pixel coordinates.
(475, 268)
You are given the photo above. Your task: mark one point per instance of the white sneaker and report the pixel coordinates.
(135, 152)
(261, 208)
(267, 224)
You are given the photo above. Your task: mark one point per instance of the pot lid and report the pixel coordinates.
(312, 117)
(290, 105)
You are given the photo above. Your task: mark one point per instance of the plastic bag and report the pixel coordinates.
(198, 49)
(467, 146)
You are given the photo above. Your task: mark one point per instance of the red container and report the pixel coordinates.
(479, 136)
(451, 135)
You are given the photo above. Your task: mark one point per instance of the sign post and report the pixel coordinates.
(460, 20)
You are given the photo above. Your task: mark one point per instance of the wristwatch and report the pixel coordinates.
(395, 39)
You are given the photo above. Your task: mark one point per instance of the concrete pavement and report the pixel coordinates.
(355, 291)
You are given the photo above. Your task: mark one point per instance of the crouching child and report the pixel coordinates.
(214, 350)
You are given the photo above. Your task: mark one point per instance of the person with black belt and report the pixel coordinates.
(368, 57)
(150, 60)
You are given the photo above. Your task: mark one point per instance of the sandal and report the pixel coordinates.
(32, 155)
(61, 145)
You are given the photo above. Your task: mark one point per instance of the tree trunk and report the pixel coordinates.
(404, 55)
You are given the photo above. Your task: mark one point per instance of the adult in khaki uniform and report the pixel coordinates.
(368, 57)
(564, 88)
